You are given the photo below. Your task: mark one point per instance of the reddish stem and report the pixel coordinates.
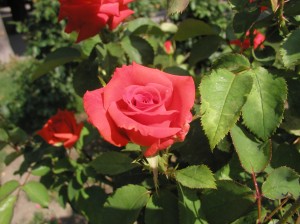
(258, 197)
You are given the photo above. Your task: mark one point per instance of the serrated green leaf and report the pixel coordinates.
(177, 6)
(92, 205)
(37, 192)
(7, 209)
(124, 205)
(162, 209)
(189, 206)
(138, 49)
(282, 182)
(263, 111)
(112, 163)
(290, 49)
(7, 188)
(254, 155)
(56, 58)
(190, 28)
(204, 48)
(232, 62)
(196, 177)
(223, 95)
(230, 200)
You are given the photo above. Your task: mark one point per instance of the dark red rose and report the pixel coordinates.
(61, 128)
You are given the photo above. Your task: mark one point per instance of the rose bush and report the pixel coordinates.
(61, 128)
(89, 17)
(142, 105)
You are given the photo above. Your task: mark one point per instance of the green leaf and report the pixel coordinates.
(113, 163)
(190, 28)
(138, 49)
(285, 155)
(88, 45)
(62, 165)
(74, 189)
(223, 95)
(290, 49)
(242, 21)
(281, 183)
(232, 62)
(92, 205)
(190, 206)
(162, 209)
(254, 155)
(86, 77)
(204, 48)
(263, 111)
(196, 177)
(229, 201)
(7, 209)
(176, 71)
(40, 170)
(56, 58)
(176, 6)
(251, 217)
(3, 135)
(125, 205)
(37, 192)
(84, 133)
(168, 27)
(17, 136)
(7, 188)
(239, 4)
(142, 25)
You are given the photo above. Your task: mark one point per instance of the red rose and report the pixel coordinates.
(61, 129)
(259, 38)
(143, 105)
(262, 8)
(88, 17)
(169, 47)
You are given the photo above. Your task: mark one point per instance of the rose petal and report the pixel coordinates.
(183, 98)
(125, 122)
(134, 74)
(98, 116)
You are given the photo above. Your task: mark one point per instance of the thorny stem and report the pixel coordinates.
(290, 212)
(269, 217)
(282, 23)
(258, 196)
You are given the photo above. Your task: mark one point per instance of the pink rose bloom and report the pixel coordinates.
(88, 17)
(259, 38)
(61, 128)
(143, 105)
